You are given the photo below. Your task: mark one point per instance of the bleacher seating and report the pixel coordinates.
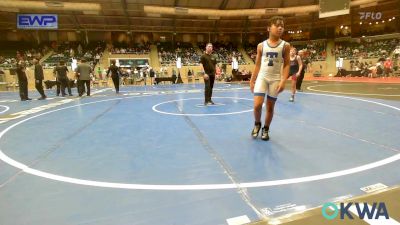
(69, 50)
(251, 50)
(137, 49)
(225, 52)
(366, 49)
(168, 54)
(12, 50)
(314, 50)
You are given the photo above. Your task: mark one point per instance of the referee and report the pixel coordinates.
(208, 62)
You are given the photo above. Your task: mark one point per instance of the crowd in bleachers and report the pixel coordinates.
(365, 49)
(69, 50)
(382, 68)
(225, 52)
(190, 56)
(168, 54)
(137, 49)
(7, 62)
(12, 52)
(251, 50)
(387, 52)
(314, 50)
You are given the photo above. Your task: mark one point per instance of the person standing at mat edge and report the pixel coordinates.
(22, 80)
(305, 62)
(39, 79)
(296, 66)
(115, 71)
(61, 73)
(272, 55)
(208, 61)
(83, 72)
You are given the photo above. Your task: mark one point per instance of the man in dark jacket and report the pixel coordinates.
(22, 80)
(39, 79)
(61, 73)
(115, 72)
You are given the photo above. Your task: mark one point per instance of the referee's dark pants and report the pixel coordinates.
(61, 85)
(39, 87)
(299, 80)
(115, 80)
(23, 89)
(82, 84)
(208, 86)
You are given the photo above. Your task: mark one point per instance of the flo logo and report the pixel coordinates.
(377, 211)
(372, 15)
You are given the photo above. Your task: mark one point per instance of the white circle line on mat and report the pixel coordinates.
(5, 110)
(200, 114)
(172, 187)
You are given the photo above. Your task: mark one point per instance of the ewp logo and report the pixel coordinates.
(37, 21)
(372, 15)
(363, 210)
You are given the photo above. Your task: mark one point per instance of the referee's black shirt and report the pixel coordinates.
(209, 62)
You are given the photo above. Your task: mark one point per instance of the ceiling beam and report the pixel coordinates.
(177, 19)
(150, 18)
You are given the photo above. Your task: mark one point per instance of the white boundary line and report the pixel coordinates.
(310, 88)
(6, 109)
(171, 187)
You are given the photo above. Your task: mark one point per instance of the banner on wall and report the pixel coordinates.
(37, 21)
